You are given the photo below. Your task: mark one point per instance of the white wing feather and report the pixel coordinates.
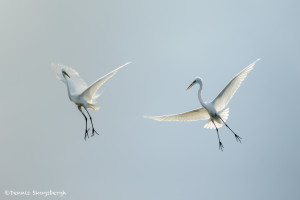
(76, 84)
(90, 93)
(226, 94)
(193, 115)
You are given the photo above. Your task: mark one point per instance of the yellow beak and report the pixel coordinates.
(190, 86)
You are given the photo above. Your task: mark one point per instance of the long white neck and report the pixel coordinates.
(199, 96)
(68, 87)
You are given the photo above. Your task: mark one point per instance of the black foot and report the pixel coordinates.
(94, 131)
(238, 138)
(221, 147)
(86, 134)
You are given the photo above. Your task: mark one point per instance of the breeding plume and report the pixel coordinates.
(79, 92)
(215, 111)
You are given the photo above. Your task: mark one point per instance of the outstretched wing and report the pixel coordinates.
(90, 93)
(76, 84)
(226, 94)
(193, 115)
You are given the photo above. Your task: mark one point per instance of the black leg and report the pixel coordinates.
(238, 138)
(86, 130)
(94, 131)
(220, 143)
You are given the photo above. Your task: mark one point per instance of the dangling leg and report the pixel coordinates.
(86, 130)
(238, 138)
(91, 123)
(220, 143)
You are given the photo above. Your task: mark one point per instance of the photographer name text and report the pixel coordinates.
(35, 193)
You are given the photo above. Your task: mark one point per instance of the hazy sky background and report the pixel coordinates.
(169, 43)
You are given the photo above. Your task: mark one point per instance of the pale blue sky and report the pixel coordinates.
(169, 43)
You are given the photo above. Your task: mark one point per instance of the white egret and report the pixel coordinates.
(214, 111)
(79, 92)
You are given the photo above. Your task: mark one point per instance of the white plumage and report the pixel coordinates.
(214, 111)
(76, 84)
(224, 115)
(79, 92)
(193, 115)
(226, 94)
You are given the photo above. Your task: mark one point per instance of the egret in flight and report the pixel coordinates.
(79, 92)
(215, 111)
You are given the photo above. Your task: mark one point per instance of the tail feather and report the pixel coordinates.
(210, 125)
(224, 115)
(93, 106)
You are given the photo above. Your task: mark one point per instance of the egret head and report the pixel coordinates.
(197, 80)
(64, 73)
